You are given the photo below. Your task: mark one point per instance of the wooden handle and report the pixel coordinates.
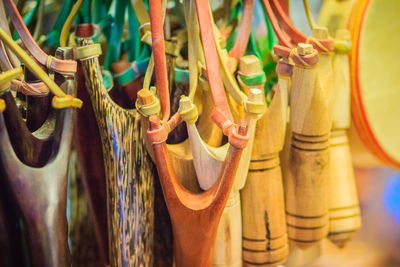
(264, 224)
(307, 177)
(306, 190)
(228, 244)
(344, 210)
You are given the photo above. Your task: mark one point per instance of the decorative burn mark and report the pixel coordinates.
(268, 231)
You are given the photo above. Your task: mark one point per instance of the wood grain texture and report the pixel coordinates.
(307, 176)
(194, 217)
(91, 163)
(264, 224)
(228, 240)
(82, 239)
(130, 191)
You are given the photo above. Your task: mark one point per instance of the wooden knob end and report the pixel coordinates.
(145, 97)
(304, 49)
(249, 65)
(256, 95)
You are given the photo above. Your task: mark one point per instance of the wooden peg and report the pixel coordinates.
(307, 177)
(228, 249)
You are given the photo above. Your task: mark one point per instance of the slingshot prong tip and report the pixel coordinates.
(304, 49)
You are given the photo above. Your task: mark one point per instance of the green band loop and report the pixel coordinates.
(181, 75)
(254, 79)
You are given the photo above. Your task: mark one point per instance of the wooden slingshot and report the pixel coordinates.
(130, 189)
(194, 217)
(264, 224)
(310, 123)
(344, 211)
(36, 166)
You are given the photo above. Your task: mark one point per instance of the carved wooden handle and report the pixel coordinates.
(228, 248)
(344, 211)
(306, 185)
(264, 227)
(306, 190)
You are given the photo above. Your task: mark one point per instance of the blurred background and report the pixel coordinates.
(377, 243)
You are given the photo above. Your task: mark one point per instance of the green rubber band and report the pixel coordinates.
(126, 76)
(254, 79)
(181, 75)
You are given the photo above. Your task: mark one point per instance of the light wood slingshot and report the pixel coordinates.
(194, 217)
(344, 211)
(228, 246)
(310, 122)
(264, 223)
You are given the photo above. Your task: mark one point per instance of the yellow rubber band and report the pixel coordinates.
(294, 52)
(140, 11)
(34, 68)
(253, 107)
(67, 101)
(67, 26)
(150, 109)
(88, 51)
(188, 110)
(341, 46)
(318, 43)
(7, 76)
(48, 61)
(309, 15)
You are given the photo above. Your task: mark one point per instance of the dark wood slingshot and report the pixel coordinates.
(36, 167)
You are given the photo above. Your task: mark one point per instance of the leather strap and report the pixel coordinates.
(7, 59)
(29, 88)
(243, 32)
(221, 114)
(282, 37)
(297, 37)
(54, 64)
(157, 36)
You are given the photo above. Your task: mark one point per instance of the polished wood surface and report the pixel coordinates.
(36, 168)
(307, 177)
(344, 210)
(130, 190)
(264, 223)
(197, 214)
